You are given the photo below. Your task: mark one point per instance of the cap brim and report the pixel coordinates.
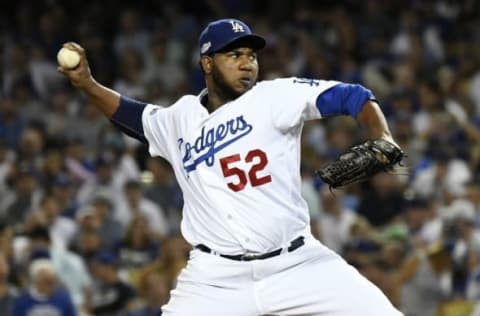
(251, 40)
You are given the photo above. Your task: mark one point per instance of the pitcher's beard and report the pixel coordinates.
(222, 88)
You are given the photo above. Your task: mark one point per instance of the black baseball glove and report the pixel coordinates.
(361, 162)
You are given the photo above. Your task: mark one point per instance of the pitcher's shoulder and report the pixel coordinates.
(285, 82)
(275, 82)
(270, 85)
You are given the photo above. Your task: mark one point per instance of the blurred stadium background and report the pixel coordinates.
(79, 197)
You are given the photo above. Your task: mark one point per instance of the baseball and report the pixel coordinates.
(68, 58)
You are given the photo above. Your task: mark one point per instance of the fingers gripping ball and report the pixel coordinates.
(361, 162)
(68, 58)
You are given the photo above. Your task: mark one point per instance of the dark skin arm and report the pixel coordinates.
(105, 99)
(371, 116)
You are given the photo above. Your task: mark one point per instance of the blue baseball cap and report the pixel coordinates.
(106, 257)
(219, 34)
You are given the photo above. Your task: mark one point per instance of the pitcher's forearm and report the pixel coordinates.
(105, 99)
(372, 118)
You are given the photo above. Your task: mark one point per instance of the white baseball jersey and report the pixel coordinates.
(239, 166)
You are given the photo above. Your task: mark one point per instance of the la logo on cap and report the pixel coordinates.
(236, 27)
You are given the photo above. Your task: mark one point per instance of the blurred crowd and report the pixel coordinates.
(90, 224)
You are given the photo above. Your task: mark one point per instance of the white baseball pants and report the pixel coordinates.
(312, 280)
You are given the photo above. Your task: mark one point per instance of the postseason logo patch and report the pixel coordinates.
(205, 47)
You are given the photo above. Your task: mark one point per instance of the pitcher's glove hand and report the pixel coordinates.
(361, 162)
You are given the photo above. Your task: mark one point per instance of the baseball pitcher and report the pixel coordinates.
(235, 151)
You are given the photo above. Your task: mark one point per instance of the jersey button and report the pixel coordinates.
(247, 239)
(229, 216)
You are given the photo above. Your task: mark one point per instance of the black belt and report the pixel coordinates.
(295, 244)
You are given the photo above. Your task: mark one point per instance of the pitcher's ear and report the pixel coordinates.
(206, 62)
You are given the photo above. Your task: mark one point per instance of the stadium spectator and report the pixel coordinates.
(138, 205)
(44, 295)
(8, 292)
(70, 268)
(110, 295)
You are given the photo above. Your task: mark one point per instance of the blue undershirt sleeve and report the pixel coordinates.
(343, 99)
(128, 118)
